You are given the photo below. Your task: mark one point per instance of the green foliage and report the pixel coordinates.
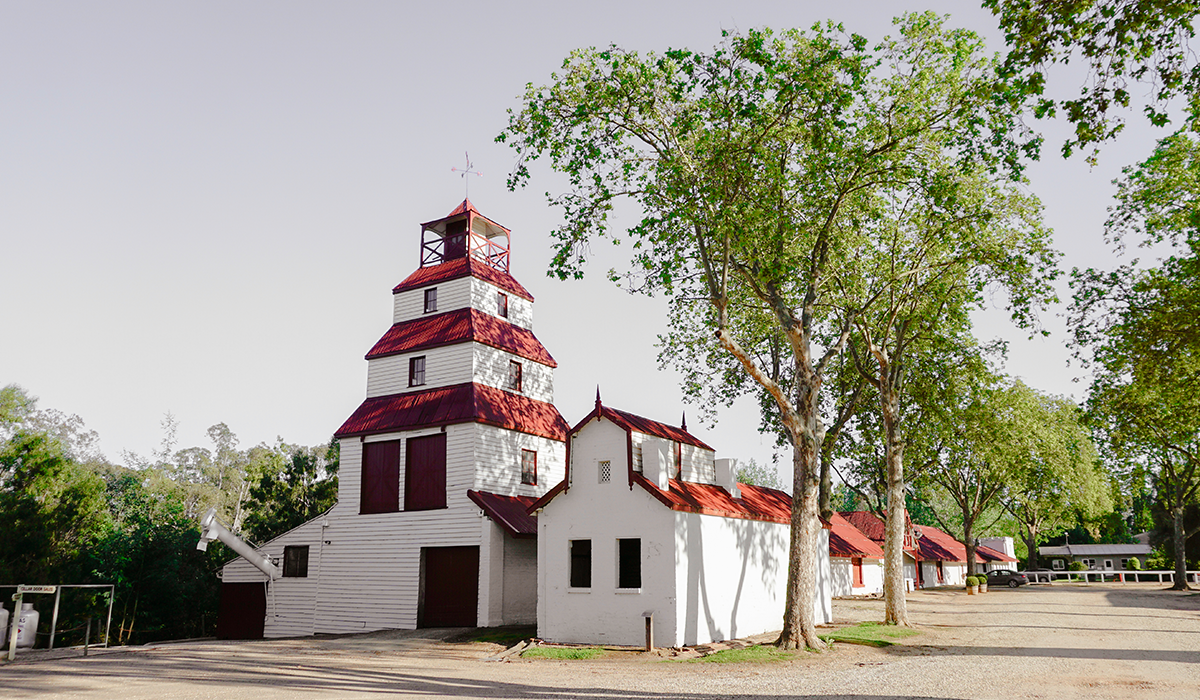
(1120, 42)
(297, 485)
(562, 653)
(760, 475)
(756, 654)
(1135, 564)
(870, 634)
(1076, 566)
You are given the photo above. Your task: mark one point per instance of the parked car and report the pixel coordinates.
(1004, 577)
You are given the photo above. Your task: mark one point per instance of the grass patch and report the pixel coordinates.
(872, 634)
(759, 653)
(507, 636)
(562, 653)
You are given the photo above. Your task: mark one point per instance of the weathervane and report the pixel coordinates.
(465, 172)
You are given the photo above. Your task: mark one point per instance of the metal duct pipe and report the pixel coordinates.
(211, 528)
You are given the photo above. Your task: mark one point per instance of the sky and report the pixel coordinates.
(204, 206)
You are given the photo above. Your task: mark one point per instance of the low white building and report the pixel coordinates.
(648, 523)
(856, 562)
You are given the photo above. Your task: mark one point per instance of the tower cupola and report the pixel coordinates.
(464, 233)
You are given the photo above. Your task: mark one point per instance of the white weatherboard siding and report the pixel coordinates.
(484, 297)
(697, 464)
(955, 573)
(444, 366)
(491, 368)
(451, 295)
(498, 455)
(291, 600)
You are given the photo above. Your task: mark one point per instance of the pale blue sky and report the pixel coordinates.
(204, 206)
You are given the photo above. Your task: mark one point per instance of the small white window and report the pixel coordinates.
(1057, 564)
(1108, 563)
(1124, 563)
(605, 471)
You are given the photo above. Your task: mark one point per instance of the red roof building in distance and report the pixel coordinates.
(845, 540)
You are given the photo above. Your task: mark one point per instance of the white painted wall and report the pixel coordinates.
(483, 297)
(842, 577)
(444, 366)
(290, 601)
(603, 512)
(491, 368)
(498, 454)
(452, 294)
(731, 577)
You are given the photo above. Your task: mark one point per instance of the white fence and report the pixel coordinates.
(1052, 575)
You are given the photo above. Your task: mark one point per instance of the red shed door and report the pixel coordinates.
(450, 586)
(243, 611)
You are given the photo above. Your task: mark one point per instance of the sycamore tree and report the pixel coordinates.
(1141, 325)
(758, 167)
(1059, 478)
(1125, 46)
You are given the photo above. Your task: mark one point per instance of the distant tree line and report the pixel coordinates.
(68, 515)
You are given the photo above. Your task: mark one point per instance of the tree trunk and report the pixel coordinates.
(896, 606)
(1031, 544)
(969, 541)
(799, 623)
(1180, 552)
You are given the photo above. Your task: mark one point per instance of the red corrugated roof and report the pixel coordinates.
(988, 554)
(462, 267)
(845, 540)
(756, 503)
(936, 545)
(458, 326)
(461, 403)
(509, 512)
(867, 523)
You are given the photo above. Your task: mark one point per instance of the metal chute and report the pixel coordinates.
(211, 528)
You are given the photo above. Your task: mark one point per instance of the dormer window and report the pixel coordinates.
(514, 376)
(430, 300)
(502, 305)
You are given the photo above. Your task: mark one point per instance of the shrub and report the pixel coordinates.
(1077, 566)
(1135, 564)
(972, 580)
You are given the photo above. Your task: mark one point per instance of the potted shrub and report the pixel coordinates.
(982, 579)
(972, 585)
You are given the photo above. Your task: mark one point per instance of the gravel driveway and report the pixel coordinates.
(1061, 641)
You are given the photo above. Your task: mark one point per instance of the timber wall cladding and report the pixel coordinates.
(498, 454)
(444, 366)
(483, 297)
(451, 295)
(491, 368)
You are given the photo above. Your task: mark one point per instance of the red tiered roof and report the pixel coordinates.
(462, 267)
(458, 326)
(461, 403)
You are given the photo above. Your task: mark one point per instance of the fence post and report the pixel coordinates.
(54, 617)
(87, 636)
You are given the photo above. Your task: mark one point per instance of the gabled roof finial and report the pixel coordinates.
(599, 406)
(683, 422)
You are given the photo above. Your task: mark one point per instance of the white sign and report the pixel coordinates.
(36, 589)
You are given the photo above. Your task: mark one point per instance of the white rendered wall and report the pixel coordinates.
(507, 578)
(451, 295)
(842, 570)
(602, 513)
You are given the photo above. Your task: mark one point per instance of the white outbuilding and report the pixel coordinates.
(647, 524)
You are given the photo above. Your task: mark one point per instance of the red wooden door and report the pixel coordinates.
(425, 473)
(243, 611)
(450, 581)
(380, 486)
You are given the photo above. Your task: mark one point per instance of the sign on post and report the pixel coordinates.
(36, 589)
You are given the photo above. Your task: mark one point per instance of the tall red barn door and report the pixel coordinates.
(450, 587)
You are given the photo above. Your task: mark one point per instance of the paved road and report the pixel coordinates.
(1065, 641)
